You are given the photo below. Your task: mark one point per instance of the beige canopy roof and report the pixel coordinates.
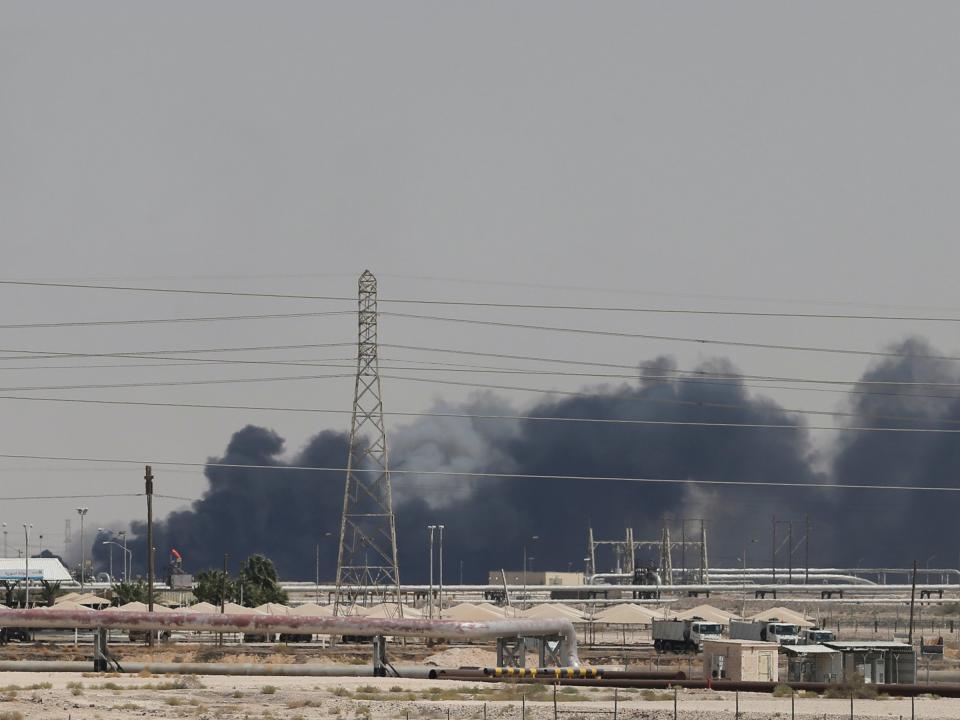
(66, 605)
(234, 609)
(389, 611)
(203, 607)
(140, 607)
(472, 613)
(706, 612)
(548, 610)
(67, 596)
(628, 614)
(91, 600)
(783, 615)
(272, 608)
(312, 610)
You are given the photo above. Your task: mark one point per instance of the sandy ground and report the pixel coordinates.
(242, 698)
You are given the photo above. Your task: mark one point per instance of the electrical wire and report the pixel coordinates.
(175, 383)
(52, 354)
(153, 321)
(674, 375)
(68, 497)
(495, 283)
(538, 418)
(483, 304)
(498, 475)
(668, 338)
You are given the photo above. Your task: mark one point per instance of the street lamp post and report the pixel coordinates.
(126, 553)
(431, 528)
(107, 542)
(532, 538)
(440, 595)
(4, 539)
(123, 535)
(326, 534)
(82, 511)
(26, 564)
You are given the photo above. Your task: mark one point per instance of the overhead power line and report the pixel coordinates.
(51, 354)
(813, 485)
(669, 338)
(68, 497)
(540, 418)
(173, 383)
(484, 304)
(672, 374)
(153, 321)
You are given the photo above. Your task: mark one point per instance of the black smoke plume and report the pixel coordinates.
(286, 514)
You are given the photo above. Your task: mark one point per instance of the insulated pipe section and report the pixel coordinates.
(252, 669)
(305, 625)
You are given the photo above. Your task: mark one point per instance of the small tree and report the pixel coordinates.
(258, 579)
(50, 591)
(127, 592)
(213, 585)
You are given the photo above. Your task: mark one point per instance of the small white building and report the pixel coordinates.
(49, 569)
(741, 660)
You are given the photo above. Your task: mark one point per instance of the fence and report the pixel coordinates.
(624, 705)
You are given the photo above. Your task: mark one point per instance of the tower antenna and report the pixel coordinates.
(367, 560)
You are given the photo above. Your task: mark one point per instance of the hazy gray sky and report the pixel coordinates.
(672, 152)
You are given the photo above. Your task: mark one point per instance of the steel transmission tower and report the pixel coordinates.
(367, 561)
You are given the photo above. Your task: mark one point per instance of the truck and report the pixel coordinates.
(681, 636)
(815, 636)
(781, 633)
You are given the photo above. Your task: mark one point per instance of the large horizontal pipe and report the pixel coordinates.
(902, 690)
(261, 669)
(303, 625)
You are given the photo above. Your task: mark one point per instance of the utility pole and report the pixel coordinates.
(790, 551)
(367, 525)
(26, 564)
(913, 596)
(82, 511)
(683, 551)
(440, 596)
(806, 549)
(148, 480)
(66, 539)
(773, 548)
(223, 585)
(704, 575)
(431, 528)
(123, 535)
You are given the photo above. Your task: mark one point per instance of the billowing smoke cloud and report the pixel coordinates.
(900, 526)
(490, 520)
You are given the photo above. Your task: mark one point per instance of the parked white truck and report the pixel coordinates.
(765, 631)
(815, 636)
(682, 636)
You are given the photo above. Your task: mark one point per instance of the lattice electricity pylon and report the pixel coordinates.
(367, 562)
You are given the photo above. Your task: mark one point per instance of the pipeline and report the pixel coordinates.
(302, 625)
(259, 669)
(554, 673)
(894, 689)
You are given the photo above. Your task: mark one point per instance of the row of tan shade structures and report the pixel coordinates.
(620, 614)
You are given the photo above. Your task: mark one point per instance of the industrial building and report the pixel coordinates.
(534, 577)
(49, 569)
(877, 661)
(741, 660)
(813, 663)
